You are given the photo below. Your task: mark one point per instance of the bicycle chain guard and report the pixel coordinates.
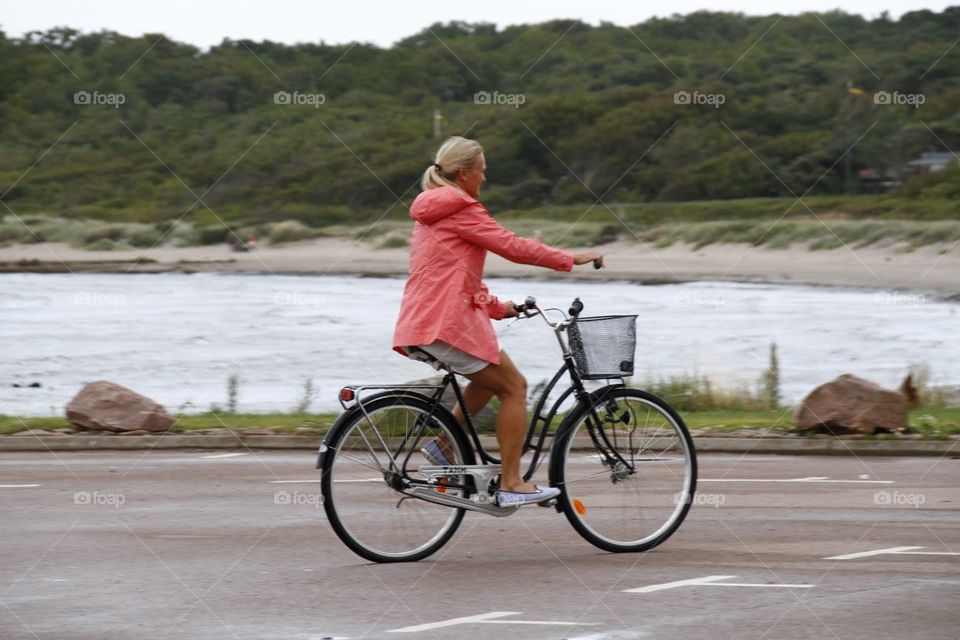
(484, 475)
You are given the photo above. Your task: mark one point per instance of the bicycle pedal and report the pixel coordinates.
(548, 503)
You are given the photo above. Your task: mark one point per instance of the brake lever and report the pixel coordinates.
(523, 315)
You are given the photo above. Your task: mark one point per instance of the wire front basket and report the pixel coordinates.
(603, 346)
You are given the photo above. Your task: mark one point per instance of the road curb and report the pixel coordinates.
(784, 446)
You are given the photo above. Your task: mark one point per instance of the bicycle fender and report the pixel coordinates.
(324, 446)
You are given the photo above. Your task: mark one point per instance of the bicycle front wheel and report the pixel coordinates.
(365, 465)
(627, 470)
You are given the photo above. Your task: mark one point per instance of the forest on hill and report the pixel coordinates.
(707, 106)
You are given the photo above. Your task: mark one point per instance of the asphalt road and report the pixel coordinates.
(195, 544)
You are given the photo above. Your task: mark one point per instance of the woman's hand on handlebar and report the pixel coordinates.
(511, 309)
(590, 256)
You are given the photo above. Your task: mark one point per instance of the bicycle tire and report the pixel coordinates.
(612, 507)
(371, 517)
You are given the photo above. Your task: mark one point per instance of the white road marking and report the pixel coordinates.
(763, 584)
(224, 455)
(892, 551)
(17, 486)
(712, 581)
(812, 480)
(613, 635)
(293, 481)
(483, 618)
(362, 480)
(867, 554)
(679, 583)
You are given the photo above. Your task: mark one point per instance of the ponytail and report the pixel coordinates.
(454, 154)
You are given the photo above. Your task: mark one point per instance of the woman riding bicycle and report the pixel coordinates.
(447, 310)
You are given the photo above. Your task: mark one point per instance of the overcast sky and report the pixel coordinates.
(207, 22)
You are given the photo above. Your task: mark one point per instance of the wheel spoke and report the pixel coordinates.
(638, 501)
(380, 520)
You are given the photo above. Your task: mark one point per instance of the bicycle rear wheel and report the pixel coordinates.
(627, 470)
(363, 469)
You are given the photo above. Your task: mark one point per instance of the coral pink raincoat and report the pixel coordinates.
(444, 298)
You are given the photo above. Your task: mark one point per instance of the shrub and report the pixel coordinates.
(290, 231)
(146, 237)
(393, 240)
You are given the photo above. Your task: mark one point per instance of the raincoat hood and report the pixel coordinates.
(434, 205)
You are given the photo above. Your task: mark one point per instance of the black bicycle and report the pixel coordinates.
(622, 457)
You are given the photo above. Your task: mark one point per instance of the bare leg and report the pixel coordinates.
(508, 384)
(476, 397)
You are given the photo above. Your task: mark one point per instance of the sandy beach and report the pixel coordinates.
(932, 269)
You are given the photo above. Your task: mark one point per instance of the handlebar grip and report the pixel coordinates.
(576, 307)
(528, 304)
(598, 263)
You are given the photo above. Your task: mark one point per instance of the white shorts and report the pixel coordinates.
(456, 360)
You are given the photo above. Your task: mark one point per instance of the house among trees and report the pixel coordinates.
(933, 161)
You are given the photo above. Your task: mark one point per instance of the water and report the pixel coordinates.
(177, 338)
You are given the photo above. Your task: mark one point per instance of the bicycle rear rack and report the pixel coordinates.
(351, 393)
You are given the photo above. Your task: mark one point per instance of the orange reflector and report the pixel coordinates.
(443, 485)
(578, 506)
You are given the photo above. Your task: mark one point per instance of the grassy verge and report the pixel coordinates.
(278, 422)
(931, 422)
(928, 422)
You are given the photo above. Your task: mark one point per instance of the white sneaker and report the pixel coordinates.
(434, 454)
(517, 498)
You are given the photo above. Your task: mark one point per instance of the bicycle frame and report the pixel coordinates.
(544, 420)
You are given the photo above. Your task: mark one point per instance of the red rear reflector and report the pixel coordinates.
(346, 394)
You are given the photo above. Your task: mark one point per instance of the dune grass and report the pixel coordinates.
(819, 223)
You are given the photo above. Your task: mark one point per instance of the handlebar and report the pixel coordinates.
(529, 308)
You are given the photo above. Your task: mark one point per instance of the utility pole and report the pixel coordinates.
(852, 92)
(848, 158)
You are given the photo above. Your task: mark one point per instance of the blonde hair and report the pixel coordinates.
(454, 154)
